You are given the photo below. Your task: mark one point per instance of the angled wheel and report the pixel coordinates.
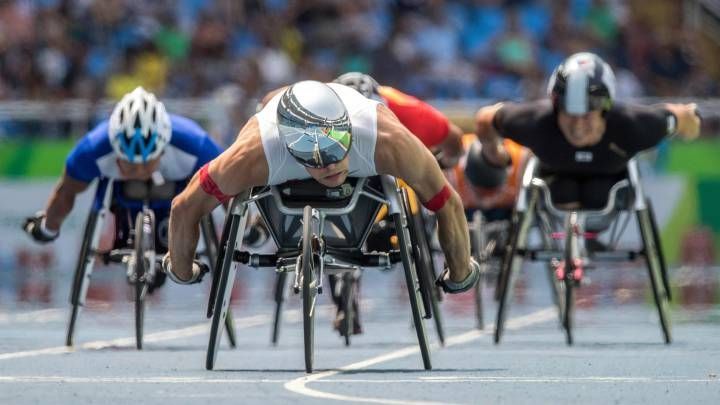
(405, 241)
(660, 252)
(652, 258)
(422, 257)
(310, 268)
(235, 224)
(212, 251)
(510, 267)
(81, 278)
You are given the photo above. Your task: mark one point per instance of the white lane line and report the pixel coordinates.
(129, 341)
(290, 315)
(299, 385)
(39, 316)
(422, 380)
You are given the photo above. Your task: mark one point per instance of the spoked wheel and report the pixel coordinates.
(143, 254)
(81, 279)
(235, 224)
(425, 268)
(510, 266)
(652, 258)
(405, 240)
(213, 252)
(280, 284)
(346, 305)
(658, 247)
(310, 269)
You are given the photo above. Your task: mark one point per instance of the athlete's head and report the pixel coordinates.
(363, 83)
(139, 129)
(315, 126)
(582, 89)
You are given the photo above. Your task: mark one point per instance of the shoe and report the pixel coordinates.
(157, 282)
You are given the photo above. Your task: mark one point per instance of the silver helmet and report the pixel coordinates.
(582, 83)
(314, 124)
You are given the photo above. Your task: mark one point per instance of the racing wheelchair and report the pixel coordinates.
(318, 230)
(563, 244)
(380, 237)
(140, 256)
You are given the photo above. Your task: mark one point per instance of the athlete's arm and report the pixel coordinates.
(62, 200)
(240, 167)
(492, 147)
(452, 146)
(401, 154)
(688, 122)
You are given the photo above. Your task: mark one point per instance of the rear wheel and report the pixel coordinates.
(411, 279)
(83, 267)
(310, 278)
(652, 258)
(510, 265)
(346, 305)
(659, 249)
(235, 224)
(280, 285)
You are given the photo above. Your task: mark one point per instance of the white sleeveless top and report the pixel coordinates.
(363, 118)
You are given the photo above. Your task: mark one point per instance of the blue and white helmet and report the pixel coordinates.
(139, 127)
(582, 83)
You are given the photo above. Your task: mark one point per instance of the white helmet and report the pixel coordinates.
(139, 127)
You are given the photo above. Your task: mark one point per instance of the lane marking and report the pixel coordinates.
(289, 315)
(299, 385)
(423, 380)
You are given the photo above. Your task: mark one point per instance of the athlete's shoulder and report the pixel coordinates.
(94, 143)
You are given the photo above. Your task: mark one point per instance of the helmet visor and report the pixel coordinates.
(317, 146)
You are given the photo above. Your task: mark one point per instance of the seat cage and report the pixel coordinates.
(347, 212)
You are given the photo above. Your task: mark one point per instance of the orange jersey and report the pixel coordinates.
(476, 197)
(422, 119)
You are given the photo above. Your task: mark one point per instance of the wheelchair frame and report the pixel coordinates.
(309, 255)
(143, 235)
(528, 209)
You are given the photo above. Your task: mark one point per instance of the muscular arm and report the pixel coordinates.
(401, 154)
(492, 146)
(452, 146)
(62, 200)
(240, 167)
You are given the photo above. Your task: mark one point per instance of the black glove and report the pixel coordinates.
(33, 227)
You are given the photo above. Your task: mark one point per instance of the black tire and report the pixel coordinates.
(425, 269)
(144, 242)
(218, 265)
(652, 260)
(346, 304)
(411, 280)
(479, 311)
(280, 285)
(207, 227)
(571, 254)
(223, 289)
(310, 266)
(510, 265)
(658, 245)
(79, 276)
(569, 309)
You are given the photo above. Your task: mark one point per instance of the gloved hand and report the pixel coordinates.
(35, 227)
(198, 271)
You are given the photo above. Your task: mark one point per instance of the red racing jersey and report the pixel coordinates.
(422, 119)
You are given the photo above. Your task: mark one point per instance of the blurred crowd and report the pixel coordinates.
(502, 49)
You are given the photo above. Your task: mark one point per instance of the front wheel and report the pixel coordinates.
(144, 251)
(310, 266)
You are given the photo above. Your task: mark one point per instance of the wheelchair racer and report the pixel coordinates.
(582, 137)
(140, 141)
(326, 132)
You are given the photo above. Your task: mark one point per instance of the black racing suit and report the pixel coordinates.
(584, 174)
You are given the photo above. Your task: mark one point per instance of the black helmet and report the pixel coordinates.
(363, 83)
(582, 83)
(314, 124)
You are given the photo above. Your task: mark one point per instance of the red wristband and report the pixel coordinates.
(209, 186)
(436, 203)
